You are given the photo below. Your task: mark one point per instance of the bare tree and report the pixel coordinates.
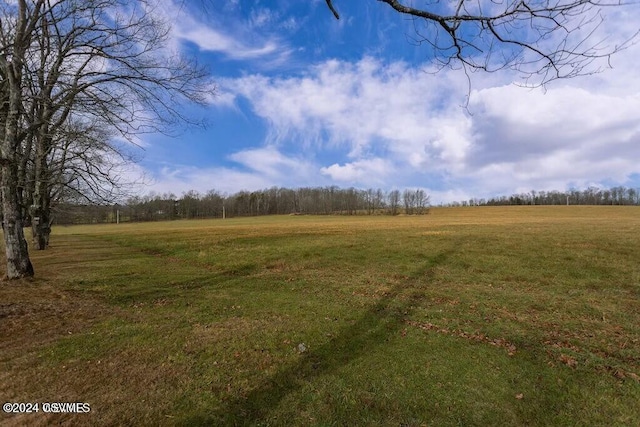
(75, 74)
(409, 199)
(17, 31)
(394, 202)
(422, 202)
(541, 40)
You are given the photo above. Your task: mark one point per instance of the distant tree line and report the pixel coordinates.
(314, 201)
(589, 196)
(273, 201)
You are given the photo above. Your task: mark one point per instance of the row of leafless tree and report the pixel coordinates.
(316, 201)
(273, 201)
(589, 196)
(78, 79)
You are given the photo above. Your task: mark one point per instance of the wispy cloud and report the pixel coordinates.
(252, 169)
(227, 38)
(271, 163)
(207, 38)
(179, 179)
(364, 106)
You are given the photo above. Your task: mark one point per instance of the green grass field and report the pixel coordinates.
(467, 316)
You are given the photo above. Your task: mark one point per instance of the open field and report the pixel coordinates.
(467, 316)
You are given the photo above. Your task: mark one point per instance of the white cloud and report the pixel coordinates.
(207, 38)
(257, 169)
(397, 122)
(550, 140)
(270, 163)
(180, 179)
(364, 106)
(368, 172)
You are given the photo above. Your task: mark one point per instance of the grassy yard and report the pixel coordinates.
(467, 316)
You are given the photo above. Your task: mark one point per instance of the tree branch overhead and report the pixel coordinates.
(540, 40)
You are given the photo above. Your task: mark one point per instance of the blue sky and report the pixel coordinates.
(305, 100)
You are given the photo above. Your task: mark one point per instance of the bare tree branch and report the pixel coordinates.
(542, 40)
(332, 9)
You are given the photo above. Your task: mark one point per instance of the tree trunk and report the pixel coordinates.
(41, 226)
(16, 249)
(41, 206)
(18, 263)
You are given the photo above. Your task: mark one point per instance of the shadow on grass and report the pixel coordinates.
(372, 329)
